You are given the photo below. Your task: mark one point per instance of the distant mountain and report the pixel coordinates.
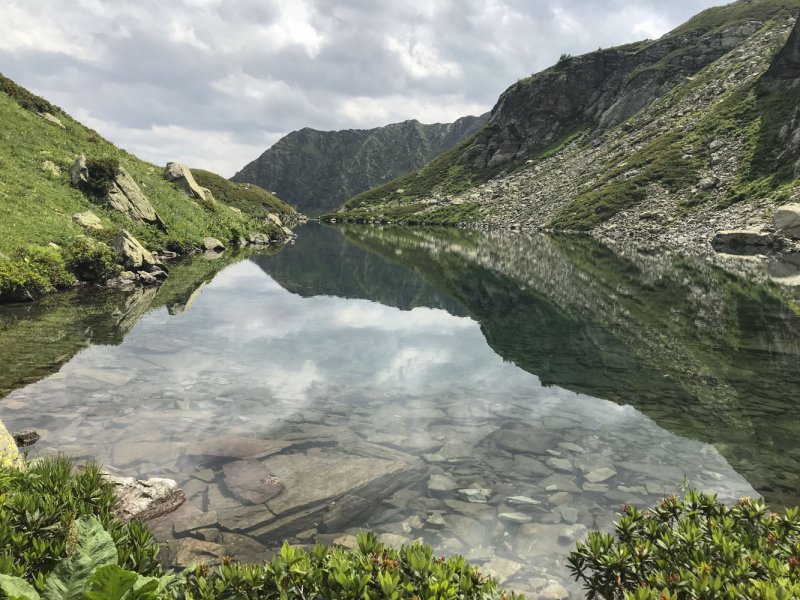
(317, 171)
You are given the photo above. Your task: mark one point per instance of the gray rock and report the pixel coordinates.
(744, 237)
(134, 256)
(522, 501)
(78, 172)
(708, 183)
(501, 569)
(569, 514)
(441, 483)
(515, 517)
(207, 195)
(87, 220)
(787, 220)
(478, 496)
(144, 500)
(213, 244)
(573, 533)
(146, 278)
(244, 518)
(251, 481)
(600, 475)
(24, 438)
(260, 239)
(560, 464)
(346, 510)
(54, 120)
(125, 197)
(436, 521)
(234, 446)
(180, 175)
(595, 487)
(467, 529)
(275, 219)
(189, 551)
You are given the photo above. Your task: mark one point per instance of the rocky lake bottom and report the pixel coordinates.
(498, 409)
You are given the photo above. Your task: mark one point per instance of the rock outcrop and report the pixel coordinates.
(78, 172)
(125, 196)
(316, 171)
(181, 176)
(87, 220)
(787, 220)
(213, 244)
(745, 237)
(784, 72)
(144, 500)
(135, 257)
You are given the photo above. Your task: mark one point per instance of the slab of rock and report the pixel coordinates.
(346, 510)
(189, 551)
(787, 220)
(744, 237)
(180, 175)
(560, 464)
(213, 244)
(125, 197)
(134, 256)
(251, 481)
(275, 219)
(234, 446)
(573, 533)
(144, 500)
(522, 501)
(311, 480)
(515, 517)
(501, 569)
(469, 530)
(600, 475)
(435, 521)
(244, 518)
(393, 540)
(87, 220)
(260, 239)
(79, 174)
(441, 483)
(537, 540)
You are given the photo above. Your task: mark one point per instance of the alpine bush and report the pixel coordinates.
(91, 262)
(695, 548)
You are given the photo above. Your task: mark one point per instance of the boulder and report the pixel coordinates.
(275, 219)
(26, 437)
(744, 237)
(180, 175)
(213, 244)
(51, 119)
(236, 210)
(787, 220)
(88, 220)
(260, 239)
(144, 500)
(134, 256)
(208, 195)
(78, 172)
(289, 233)
(708, 183)
(125, 196)
(9, 455)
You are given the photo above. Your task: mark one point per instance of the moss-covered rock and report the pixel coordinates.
(9, 455)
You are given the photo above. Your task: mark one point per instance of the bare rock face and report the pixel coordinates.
(784, 72)
(134, 256)
(787, 220)
(87, 220)
(144, 500)
(126, 197)
(78, 172)
(180, 175)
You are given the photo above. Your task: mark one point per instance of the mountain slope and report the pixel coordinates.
(316, 171)
(37, 200)
(680, 129)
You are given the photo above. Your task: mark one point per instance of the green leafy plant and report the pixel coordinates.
(695, 548)
(372, 572)
(49, 263)
(91, 262)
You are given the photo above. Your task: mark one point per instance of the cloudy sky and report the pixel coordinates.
(213, 83)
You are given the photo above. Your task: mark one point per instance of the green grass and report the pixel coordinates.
(250, 199)
(36, 206)
(721, 17)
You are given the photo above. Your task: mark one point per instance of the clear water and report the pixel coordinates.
(376, 374)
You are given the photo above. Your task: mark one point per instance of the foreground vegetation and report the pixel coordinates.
(59, 540)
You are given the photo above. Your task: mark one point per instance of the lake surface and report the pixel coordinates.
(492, 395)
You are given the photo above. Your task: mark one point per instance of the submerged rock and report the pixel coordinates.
(251, 481)
(26, 437)
(144, 500)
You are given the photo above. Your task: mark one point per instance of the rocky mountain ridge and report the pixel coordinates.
(663, 142)
(316, 171)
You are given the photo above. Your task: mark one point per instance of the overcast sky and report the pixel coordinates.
(213, 83)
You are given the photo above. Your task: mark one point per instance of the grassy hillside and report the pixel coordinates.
(37, 203)
(252, 200)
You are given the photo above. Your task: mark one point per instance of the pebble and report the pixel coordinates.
(515, 517)
(522, 500)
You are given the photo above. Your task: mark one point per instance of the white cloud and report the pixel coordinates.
(23, 29)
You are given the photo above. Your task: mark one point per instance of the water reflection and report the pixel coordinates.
(492, 396)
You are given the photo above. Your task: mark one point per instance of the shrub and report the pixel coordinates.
(372, 572)
(49, 264)
(91, 262)
(40, 509)
(102, 172)
(695, 548)
(20, 283)
(180, 245)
